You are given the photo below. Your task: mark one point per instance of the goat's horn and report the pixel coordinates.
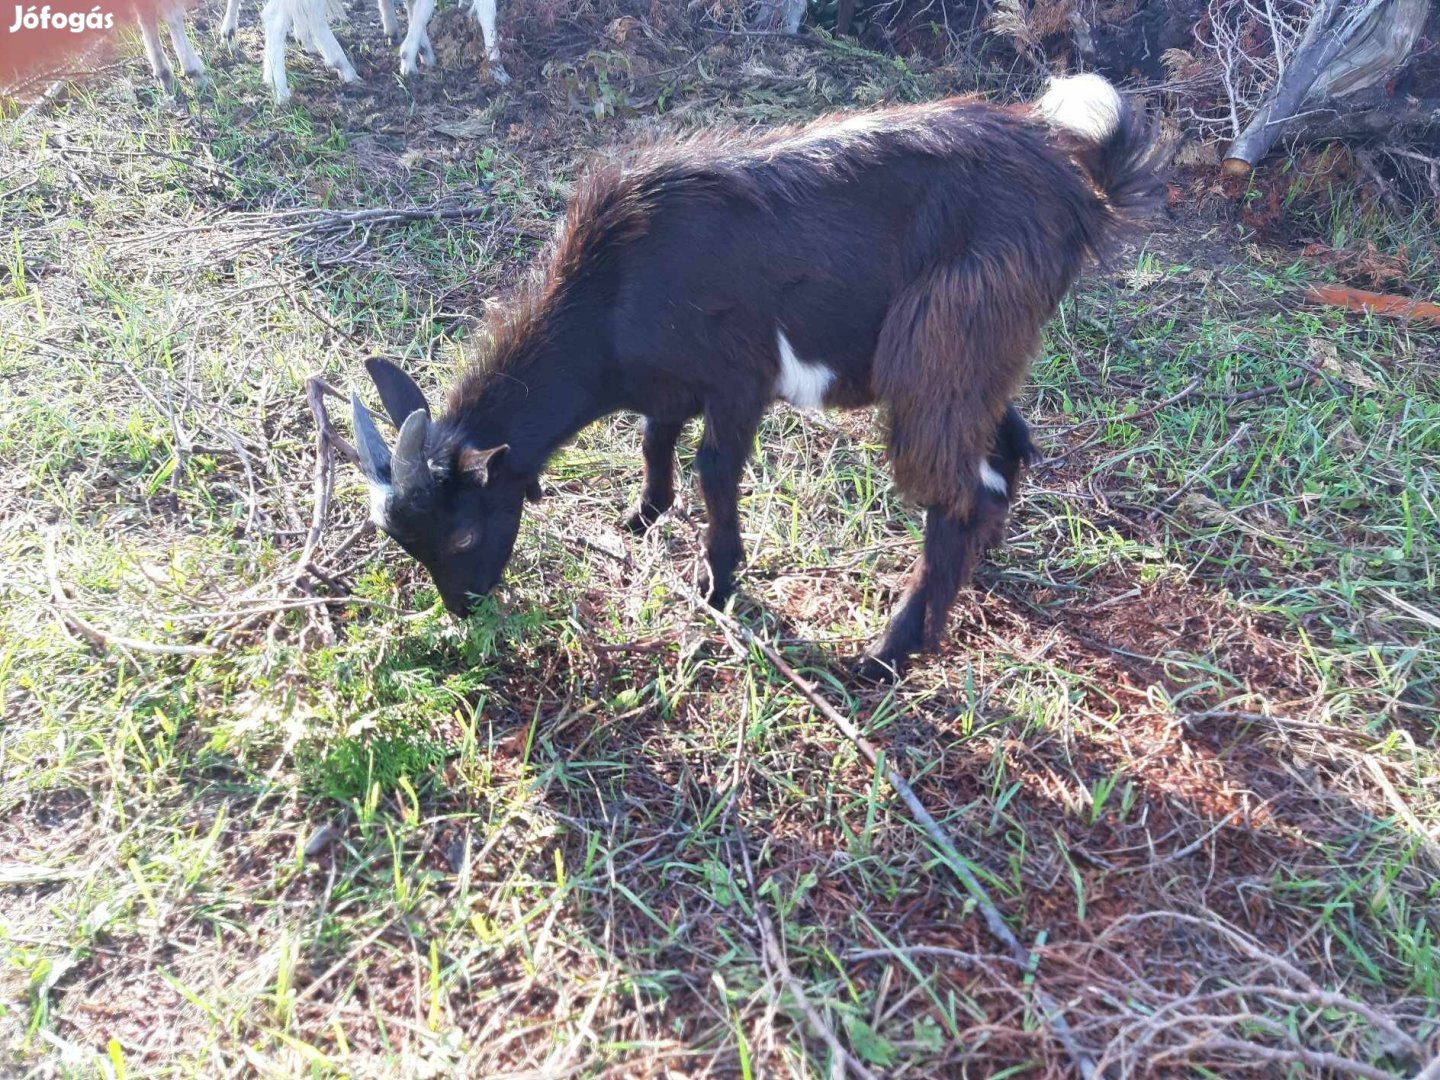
(408, 468)
(374, 454)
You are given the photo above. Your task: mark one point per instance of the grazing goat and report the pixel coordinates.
(906, 257)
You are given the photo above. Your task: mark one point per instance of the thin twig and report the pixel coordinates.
(93, 634)
(1195, 476)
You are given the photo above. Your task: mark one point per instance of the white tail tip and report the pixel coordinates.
(1084, 105)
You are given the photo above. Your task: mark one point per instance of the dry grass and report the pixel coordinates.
(1184, 730)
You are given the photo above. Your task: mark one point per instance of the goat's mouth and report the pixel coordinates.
(462, 604)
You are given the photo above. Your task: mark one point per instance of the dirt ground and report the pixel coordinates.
(1183, 731)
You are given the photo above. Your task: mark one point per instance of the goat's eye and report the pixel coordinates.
(462, 541)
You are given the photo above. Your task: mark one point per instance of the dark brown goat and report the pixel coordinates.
(906, 257)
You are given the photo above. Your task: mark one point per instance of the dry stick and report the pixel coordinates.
(1318, 1059)
(1267, 391)
(93, 634)
(994, 921)
(1430, 1072)
(1195, 476)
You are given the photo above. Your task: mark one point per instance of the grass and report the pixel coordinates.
(1184, 729)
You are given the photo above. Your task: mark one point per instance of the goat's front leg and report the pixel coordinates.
(154, 51)
(417, 37)
(658, 494)
(388, 22)
(719, 462)
(231, 22)
(190, 61)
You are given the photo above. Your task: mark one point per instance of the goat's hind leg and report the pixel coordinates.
(231, 22)
(658, 493)
(953, 546)
(388, 22)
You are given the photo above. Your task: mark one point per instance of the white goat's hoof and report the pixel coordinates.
(500, 74)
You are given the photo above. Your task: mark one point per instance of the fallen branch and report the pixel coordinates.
(1267, 391)
(1346, 46)
(740, 640)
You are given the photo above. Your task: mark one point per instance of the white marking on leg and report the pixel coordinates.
(415, 37)
(190, 61)
(993, 480)
(800, 383)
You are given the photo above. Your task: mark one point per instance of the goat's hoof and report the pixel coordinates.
(717, 596)
(641, 520)
(501, 76)
(878, 668)
(636, 522)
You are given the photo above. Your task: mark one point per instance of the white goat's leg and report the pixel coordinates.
(190, 61)
(388, 22)
(277, 16)
(150, 35)
(484, 11)
(417, 36)
(312, 19)
(231, 22)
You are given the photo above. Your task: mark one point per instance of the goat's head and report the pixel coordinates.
(454, 507)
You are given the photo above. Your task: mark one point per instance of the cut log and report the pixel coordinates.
(1346, 47)
(1371, 113)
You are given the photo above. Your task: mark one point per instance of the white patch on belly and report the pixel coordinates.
(993, 480)
(801, 384)
(379, 500)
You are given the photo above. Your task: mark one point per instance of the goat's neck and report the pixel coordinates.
(537, 404)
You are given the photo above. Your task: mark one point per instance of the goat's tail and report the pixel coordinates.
(1115, 143)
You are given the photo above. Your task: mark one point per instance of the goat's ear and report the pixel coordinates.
(398, 391)
(475, 465)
